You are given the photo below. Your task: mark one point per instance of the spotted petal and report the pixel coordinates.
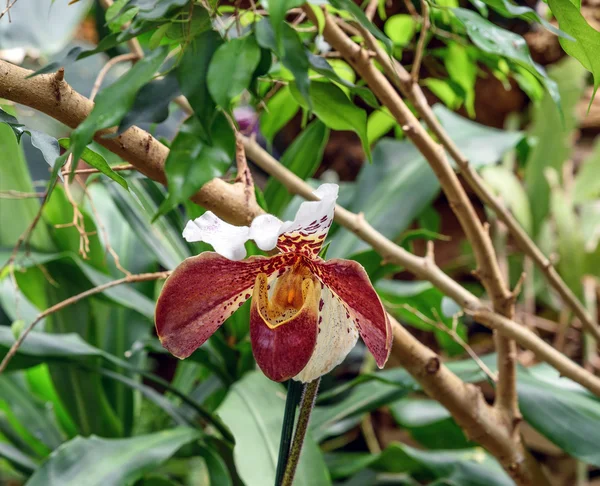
(284, 337)
(349, 281)
(337, 336)
(201, 293)
(303, 235)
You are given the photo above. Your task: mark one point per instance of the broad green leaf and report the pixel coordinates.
(468, 467)
(400, 29)
(97, 161)
(379, 123)
(277, 14)
(280, 109)
(359, 15)
(154, 9)
(30, 411)
(444, 91)
(114, 102)
(16, 215)
(332, 107)
(291, 52)
(508, 9)
(217, 469)
(191, 162)
(253, 410)
(302, 157)
(151, 104)
(570, 417)
(507, 185)
(552, 136)
(429, 423)
(494, 40)
(586, 43)
(47, 145)
(463, 71)
(98, 462)
(423, 297)
(231, 68)
(192, 76)
(587, 181)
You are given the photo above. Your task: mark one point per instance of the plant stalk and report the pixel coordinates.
(306, 406)
(294, 394)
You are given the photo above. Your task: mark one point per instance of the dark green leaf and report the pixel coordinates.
(494, 40)
(115, 101)
(280, 109)
(333, 107)
(291, 52)
(586, 43)
(253, 410)
(277, 14)
(97, 161)
(231, 68)
(192, 76)
(98, 462)
(217, 469)
(151, 104)
(302, 157)
(192, 162)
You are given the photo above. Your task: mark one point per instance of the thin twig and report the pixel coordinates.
(106, 68)
(421, 44)
(306, 406)
(7, 9)
(115, 168)
(142, 277)
(371, 9)
(10, 194)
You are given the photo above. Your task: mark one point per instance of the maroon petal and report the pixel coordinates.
(201, 293)
(283, 340)
(349, 281)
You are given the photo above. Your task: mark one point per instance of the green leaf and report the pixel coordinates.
(47, 145)
(570, 415)
(30, 411)
(429, 423)
(217, 469)
(463, 71)
(400, 29)
(494, 40)
(508, 9)
(151, 104)
(333, 107)
(277, 14)
(302, 157)
(231, 68)
(191, 162)
(97, 161)
(114, 102)
(17, 214)
(97, 462)
(253, 410)
(468, 467)
(360, 16)
(291, 52)
(280, 109)
(552, 135)
(20, 461)
(192, 76)
(379, 123)
(586, 45)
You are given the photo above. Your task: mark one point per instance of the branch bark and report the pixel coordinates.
(403, 81)
(56, 98)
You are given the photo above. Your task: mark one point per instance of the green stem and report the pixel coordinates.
(294, 394)
(306, 407)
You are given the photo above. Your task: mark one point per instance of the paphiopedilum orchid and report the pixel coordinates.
(306, 313)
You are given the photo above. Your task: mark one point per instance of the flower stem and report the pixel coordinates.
(306, 406)
(294, 393)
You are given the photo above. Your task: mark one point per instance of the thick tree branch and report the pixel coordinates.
(412, 91)
(56, 98)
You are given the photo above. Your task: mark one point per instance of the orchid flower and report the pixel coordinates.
(306, 313)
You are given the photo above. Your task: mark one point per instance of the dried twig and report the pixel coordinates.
(143, 277)
(10, 194)
(106, 68)
(421, 44)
